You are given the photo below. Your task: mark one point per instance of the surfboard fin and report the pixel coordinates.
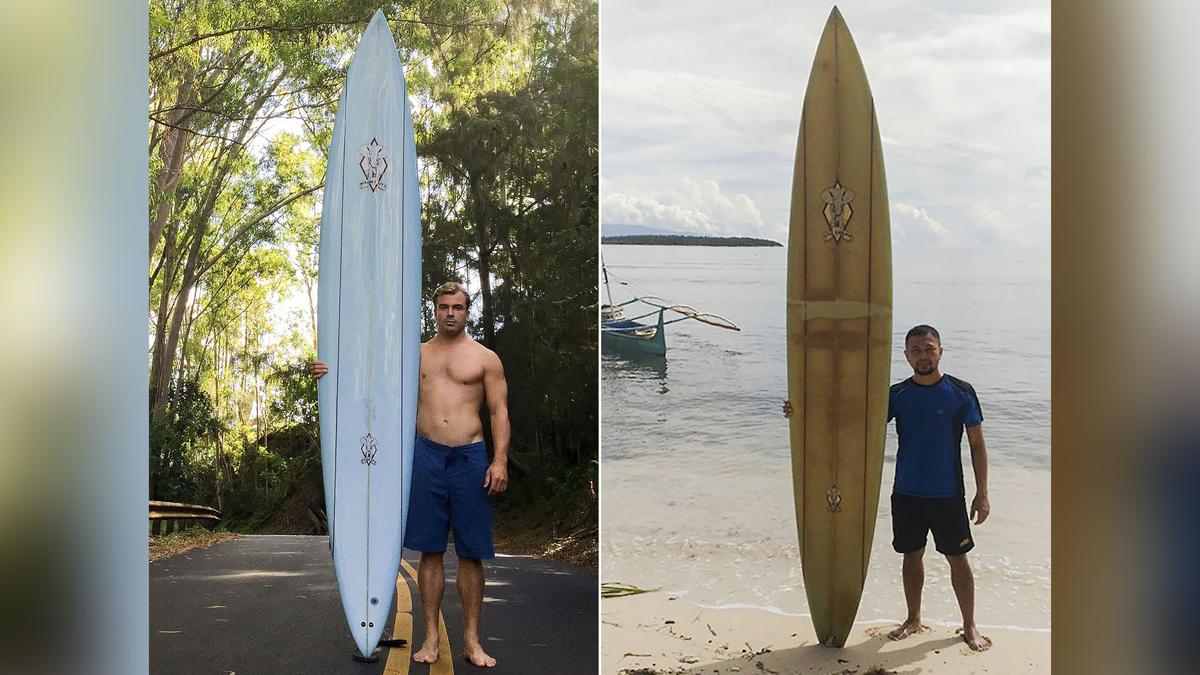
(397, 642)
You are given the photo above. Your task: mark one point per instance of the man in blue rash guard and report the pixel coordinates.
(932, 410)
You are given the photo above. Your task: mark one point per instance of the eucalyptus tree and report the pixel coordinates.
(241, 105)
(225, 77)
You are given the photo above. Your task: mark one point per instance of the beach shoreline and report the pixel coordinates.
(698, 490)
(658, 632)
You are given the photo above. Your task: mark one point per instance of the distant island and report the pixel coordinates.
(685, 240)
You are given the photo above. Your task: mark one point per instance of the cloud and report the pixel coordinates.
(691, 206)
(1002, 226)
(715, 89)
(913, 226)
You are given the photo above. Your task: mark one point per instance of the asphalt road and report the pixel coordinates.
(269, 604)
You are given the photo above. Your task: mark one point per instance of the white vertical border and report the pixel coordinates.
(599, 359)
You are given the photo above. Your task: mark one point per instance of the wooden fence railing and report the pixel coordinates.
(167, 517)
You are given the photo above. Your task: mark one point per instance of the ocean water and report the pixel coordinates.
(696, 473)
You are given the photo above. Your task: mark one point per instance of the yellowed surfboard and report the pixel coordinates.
(839, 327)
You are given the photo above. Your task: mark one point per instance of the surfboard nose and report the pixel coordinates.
(378, 46)
(378, 32)
(377, 20)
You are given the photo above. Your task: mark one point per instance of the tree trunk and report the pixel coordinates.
(256, 408)
(245, 353)
(218, 461)
(312, 306)
(170, 264)
(161, 367)
(183, 360)
(534, 383)
(173, 149)
(483, 246)
(216, 356)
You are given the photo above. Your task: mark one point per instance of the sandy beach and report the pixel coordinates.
(717, 606)
(697, 492)
(660, 633)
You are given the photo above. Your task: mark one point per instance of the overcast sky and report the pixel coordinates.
(701, 100)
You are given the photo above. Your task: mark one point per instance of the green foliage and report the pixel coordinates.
(505, 99)
(269, 468)
(515, 200)
(177, 441)
(564, 494)
(296, 398)
(573, 493)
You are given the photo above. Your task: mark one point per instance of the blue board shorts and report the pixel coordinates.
(447, 491)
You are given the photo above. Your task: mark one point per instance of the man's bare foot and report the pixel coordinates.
(975, 640)
(909, 627)
(478, 658)
(427, 654)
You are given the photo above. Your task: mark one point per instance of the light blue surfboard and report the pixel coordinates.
(368, 332)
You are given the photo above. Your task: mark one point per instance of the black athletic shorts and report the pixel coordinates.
(913, 517)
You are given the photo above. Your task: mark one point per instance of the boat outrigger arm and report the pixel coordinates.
(661, 306)
(623, 332)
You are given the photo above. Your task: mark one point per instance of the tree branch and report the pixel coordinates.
(305, 27)
(261, 217)
(223, 86)
(193, 131)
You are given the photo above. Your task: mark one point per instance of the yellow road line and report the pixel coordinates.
(445, 663)
(398, 660)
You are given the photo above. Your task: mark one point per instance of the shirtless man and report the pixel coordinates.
(453, 482)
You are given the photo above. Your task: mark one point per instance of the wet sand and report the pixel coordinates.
(661, 633)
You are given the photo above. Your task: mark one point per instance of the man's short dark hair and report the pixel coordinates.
(918, 331)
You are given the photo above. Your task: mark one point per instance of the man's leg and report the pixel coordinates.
(431, 579)
(963, 581)
(470, 592)
(471, 516)
(913, 572)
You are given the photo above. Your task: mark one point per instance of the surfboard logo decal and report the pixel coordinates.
(369, 447)
(838, 212)
(373, 164)
(834, 496)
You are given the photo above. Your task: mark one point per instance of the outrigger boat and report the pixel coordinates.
(626, 333)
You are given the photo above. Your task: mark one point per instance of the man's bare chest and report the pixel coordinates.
(442, 372)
